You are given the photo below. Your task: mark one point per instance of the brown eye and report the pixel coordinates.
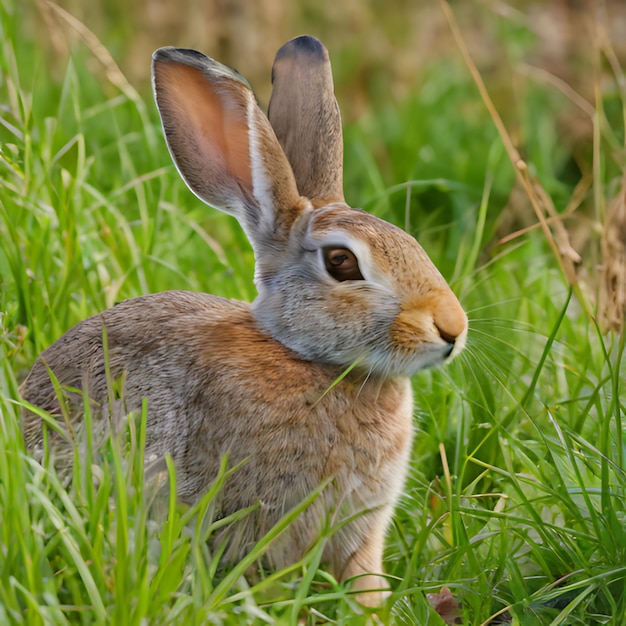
(341, 264)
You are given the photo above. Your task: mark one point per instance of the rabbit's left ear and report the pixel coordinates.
(223, 145)
(305, 116)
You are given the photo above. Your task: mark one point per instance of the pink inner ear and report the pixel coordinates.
(208, 124)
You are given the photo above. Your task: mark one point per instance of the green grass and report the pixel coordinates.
(516, 499)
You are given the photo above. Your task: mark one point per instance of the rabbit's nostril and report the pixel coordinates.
(447, 337)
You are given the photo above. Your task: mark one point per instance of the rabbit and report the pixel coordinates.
(308, 384)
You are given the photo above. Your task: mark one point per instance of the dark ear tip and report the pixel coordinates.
(304, 45)
(199, 61)
(161, 54)
(184, 55)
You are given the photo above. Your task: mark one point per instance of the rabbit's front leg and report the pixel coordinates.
(364, 567)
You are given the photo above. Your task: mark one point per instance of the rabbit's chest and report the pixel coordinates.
(358, 438)
(369, 457)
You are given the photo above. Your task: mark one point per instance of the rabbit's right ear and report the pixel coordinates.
(223, 144)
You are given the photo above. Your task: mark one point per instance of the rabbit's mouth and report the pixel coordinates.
(408, 354)
(409, 362)
(428, 333)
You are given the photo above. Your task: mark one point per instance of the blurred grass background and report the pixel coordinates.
(393, 59)
(411, 111)
(517, 494)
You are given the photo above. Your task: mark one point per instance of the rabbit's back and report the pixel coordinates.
(145, 347)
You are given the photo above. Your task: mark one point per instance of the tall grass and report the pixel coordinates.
(516, 499)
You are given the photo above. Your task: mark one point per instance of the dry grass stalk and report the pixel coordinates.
(612, 301)
(558, 241)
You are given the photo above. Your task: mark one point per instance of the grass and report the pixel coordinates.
(516, 499)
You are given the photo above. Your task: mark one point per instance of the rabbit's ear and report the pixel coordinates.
(305, 116)
(222, 143)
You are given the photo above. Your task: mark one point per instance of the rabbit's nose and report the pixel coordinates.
(450, 320)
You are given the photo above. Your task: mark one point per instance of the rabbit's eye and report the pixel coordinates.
(341, 264)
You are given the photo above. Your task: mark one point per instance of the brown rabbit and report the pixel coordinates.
(338, 289)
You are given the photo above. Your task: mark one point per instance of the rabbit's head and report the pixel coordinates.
(335, 284)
